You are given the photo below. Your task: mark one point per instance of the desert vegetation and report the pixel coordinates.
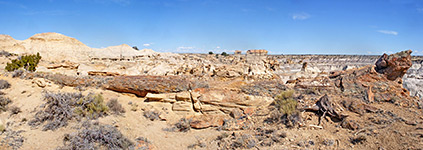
(60, 108)
(28, 62)
(96, 136)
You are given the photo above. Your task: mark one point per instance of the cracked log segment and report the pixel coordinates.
(141, 85)
(395, 65)
(325, 107)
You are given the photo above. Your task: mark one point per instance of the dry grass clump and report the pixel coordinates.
(62, 107)
(285, 109)
(182, 125)
(152, 115)
(15, 110)
(4, 84)
(115, 107)
(11, 139)
(18, 73)
(286, 103)
(4, 101)
(96, 136)
(5, 53)
(236, 141)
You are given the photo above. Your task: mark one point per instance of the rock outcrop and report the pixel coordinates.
(57, 47)
(395, 65)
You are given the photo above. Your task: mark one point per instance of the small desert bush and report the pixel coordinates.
(4, 84)
(285, 111)
(182, 125)
(15, 110)
(63, 107)
(115, 106)
(5, 53)
(91, 106)
(28, 62)
(286, 103)
(96, 136)
(17, 73)
(236, 141)
(12, 139)
(4, 101)
(152, 115)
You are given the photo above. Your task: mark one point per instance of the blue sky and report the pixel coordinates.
(280, 26)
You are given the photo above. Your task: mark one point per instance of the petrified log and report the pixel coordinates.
(395, 65)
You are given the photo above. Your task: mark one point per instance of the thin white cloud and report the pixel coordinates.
(185, 49)
(420, 10)
(12, 4)
(388, 32)
(50, 13)
(105, 2)
(146, 44)
(300, 16)
(121, 2)
(270, 9)
(218, 47)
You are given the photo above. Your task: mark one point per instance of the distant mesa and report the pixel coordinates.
(259, 52)
(57, 47)
(238, 52)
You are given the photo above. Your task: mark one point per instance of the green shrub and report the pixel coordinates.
(92, 106)
(286, 103)
(28, 62)
(210, 52)
(224, 54)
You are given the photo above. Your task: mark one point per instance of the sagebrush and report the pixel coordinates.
(96, 136)
(63, 107)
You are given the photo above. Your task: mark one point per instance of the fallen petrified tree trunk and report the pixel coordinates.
(141, 85)
(325, 107)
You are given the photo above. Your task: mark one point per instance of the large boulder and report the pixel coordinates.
(395, 65)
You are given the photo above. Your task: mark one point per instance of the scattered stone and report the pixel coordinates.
(183, 96)
(350, 124)
(182, 106)
(39, 82)
(328, 142)
(205, 121)
(155, 97)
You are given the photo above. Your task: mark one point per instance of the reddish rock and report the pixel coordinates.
(205, 121)
(231, 99)
(249, 111)
(395, 65)
(141, 85)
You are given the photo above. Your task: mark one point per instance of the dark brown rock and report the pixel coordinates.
(395, 65)
(350, 124)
